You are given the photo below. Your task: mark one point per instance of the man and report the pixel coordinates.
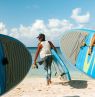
(44, 49)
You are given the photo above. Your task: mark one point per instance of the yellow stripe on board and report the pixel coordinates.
(87, 63)
(92, 66)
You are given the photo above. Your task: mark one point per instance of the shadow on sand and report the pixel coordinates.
(78, 84)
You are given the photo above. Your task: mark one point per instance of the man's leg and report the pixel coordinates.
(48, 64)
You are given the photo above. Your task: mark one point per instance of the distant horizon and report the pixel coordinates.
(36, 47)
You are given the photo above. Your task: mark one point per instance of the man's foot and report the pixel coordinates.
(49, 82)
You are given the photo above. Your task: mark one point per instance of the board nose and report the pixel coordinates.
(15, 62)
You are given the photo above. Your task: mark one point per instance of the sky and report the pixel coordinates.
(26, 19)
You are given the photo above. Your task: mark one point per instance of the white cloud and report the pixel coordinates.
(3, 29)
(53, 30)
(80, 18)
(53, 23)
(39, 24)
(14, 33)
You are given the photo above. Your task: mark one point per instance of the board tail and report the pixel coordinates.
(57, 59)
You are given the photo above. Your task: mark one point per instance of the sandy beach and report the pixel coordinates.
(36, 87)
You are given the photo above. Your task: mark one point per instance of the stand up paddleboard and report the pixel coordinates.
(85, 62)
(75, 54)
(59, 61)
(15, 62)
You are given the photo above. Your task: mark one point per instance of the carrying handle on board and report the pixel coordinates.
(5, 61)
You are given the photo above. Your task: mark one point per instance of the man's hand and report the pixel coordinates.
(34, 65)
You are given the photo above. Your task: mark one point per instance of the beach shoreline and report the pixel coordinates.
(36, 87)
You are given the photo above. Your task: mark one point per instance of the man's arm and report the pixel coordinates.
(52, 46)
(37, 53)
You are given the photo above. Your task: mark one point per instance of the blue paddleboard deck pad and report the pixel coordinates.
(75, 53)
(15, 62)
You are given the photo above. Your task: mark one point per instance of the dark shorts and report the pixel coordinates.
(47, 61)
